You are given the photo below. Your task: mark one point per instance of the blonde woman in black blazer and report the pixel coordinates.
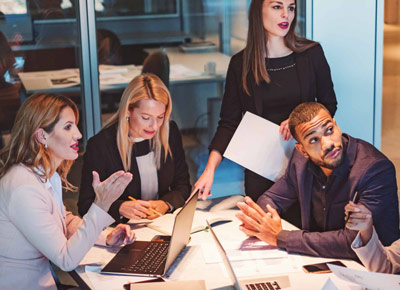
(275, 72)
(142, 140)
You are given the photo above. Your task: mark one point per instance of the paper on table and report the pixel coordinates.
(114, 79)
(109, 282)
(98, 255)
(115, 69)
(249, 249)
(165, 223)
(50, 79)
(271, 266)
(367, 279)
(258, 146)
(181, 71)
(175, 285)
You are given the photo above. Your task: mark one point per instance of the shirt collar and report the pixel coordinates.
(53, 185)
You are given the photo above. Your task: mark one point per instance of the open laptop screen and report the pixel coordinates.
(225, 259)
(182, 228)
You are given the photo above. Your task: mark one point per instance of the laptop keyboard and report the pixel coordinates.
(263, 286)
(153, 258)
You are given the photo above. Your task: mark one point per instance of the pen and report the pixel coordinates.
(153, 210)
(354, 200)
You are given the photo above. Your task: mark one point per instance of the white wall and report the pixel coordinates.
(351, 33)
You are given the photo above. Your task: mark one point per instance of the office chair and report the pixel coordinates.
(157, 63)
(9, 105)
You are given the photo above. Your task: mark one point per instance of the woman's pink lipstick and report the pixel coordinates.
(284, 25)
(149, 132)
(75, 146)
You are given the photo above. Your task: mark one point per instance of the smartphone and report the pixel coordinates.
(321, 267)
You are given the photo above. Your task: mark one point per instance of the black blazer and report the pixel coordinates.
(315, 83)
(102, 155)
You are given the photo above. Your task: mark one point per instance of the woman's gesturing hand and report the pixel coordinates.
(109, 190)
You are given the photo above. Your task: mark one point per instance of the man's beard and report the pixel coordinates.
(333, 165)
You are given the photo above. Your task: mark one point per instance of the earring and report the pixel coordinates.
(127, 118)
(46, 146)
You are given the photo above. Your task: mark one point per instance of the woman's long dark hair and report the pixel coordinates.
(256, 47)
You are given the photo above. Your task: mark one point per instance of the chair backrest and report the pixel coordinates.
(157, 63)
(9, 105)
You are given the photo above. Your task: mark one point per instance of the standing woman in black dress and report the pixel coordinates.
(275, 72)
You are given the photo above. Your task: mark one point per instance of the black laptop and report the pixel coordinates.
(153, 258)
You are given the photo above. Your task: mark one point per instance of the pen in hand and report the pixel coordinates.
(349, 213)
(151, 209)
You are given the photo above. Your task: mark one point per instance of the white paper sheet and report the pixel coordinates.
(178, 71)
(258, 146)
(165, 223)
(249, 249)
(54, 79)
(370, 280)
(99, 255)
(115, 69)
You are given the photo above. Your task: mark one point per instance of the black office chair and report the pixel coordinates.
(9, 105)
(157, 63)
(1, 141)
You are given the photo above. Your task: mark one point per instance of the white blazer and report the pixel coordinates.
(34, 230)
(375, 256)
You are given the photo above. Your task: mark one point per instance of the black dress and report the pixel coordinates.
(279, 98)
(282, 94)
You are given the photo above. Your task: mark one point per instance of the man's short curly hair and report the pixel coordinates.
(304, 113)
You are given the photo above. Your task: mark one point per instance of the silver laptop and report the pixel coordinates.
(153, 258)
(270, 283)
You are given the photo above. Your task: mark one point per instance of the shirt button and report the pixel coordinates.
(323, 186)
(323, 209)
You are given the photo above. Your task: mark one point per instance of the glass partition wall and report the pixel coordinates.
(96, 47)
(47, 44)
(43, 49)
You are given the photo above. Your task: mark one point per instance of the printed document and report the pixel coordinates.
(369, 280)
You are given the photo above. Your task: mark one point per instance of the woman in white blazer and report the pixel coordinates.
(367, 246)
(34, 224)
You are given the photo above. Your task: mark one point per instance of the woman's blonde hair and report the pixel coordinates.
(143, 87)
(38, 111)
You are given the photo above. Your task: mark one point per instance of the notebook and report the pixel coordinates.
(280, 282)
(153, 258)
